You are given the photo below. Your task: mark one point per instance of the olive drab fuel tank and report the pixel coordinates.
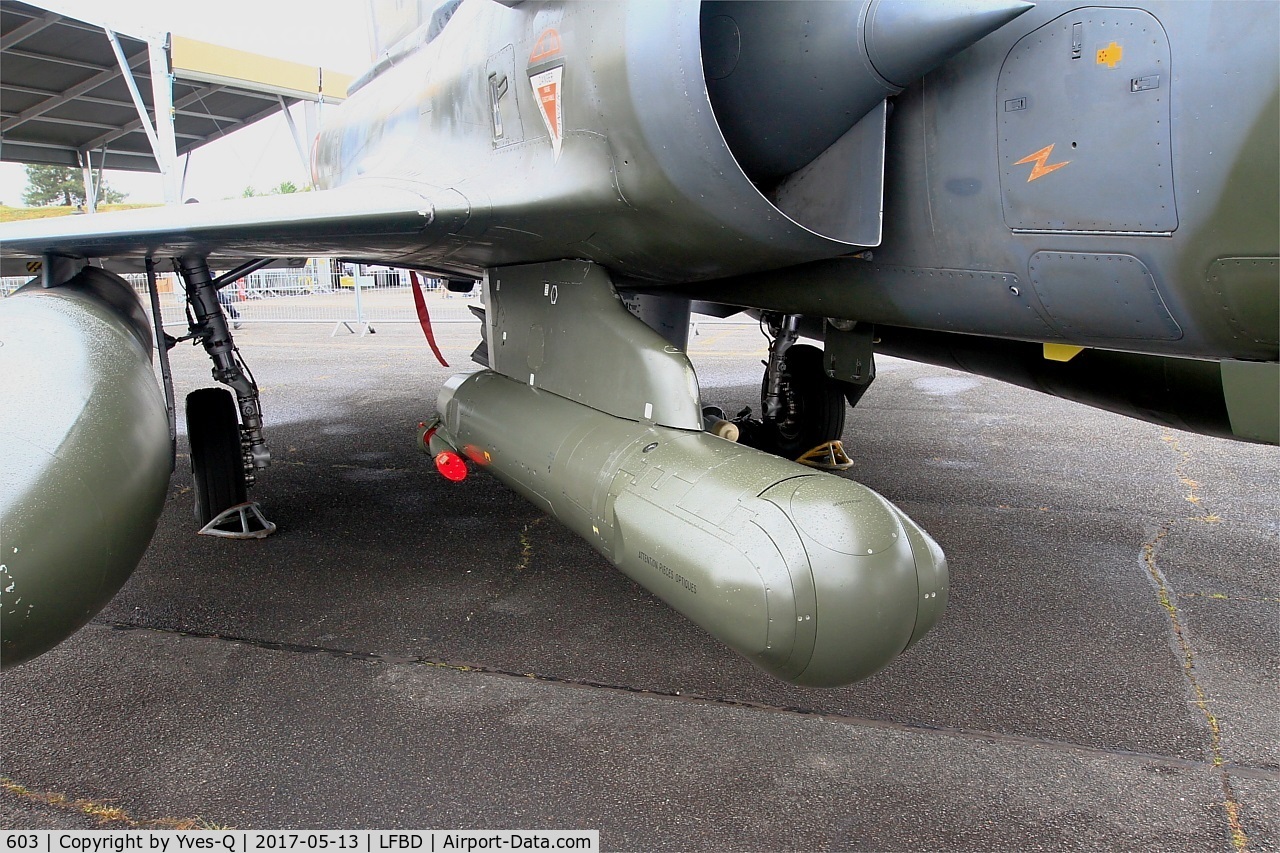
(86, 453)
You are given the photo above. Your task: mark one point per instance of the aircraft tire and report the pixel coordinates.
(819, 400)
(217, 464)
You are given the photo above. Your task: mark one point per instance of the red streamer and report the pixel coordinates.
(424, 318)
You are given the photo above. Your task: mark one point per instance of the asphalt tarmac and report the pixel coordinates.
(410, 653)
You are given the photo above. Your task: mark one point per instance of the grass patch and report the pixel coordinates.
(104, 815)
(21, 214)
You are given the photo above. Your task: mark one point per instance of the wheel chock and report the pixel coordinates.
(828, 456)
(242, 521)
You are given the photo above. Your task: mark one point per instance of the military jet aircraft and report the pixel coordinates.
(1077, 198)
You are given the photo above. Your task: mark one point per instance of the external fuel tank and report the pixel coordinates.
(85, 455)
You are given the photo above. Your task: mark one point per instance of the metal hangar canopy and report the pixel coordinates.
(75, 93)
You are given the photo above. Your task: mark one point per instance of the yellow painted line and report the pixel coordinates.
(711, 341)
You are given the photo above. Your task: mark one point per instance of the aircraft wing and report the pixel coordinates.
(357, 221)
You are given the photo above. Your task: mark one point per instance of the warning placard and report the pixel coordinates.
(546, 89)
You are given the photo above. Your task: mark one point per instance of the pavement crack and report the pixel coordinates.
(105, 814)
(1221, 596)
(526, 546)
(981, 735)
(1167, 599)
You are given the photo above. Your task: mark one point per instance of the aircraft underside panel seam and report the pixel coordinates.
(1102, 296)
(1083, 110)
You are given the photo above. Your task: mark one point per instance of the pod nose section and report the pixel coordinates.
(880, 580)
(931, 574)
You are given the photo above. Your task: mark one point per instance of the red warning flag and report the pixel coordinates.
(424, 318)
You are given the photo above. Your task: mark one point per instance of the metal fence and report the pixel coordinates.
(310, 294)
(347, 302)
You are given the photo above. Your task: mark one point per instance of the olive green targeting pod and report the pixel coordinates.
(814, 578)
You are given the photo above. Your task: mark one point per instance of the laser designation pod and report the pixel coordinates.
(814, 578)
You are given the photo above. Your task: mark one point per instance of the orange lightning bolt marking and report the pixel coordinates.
(1040, 158)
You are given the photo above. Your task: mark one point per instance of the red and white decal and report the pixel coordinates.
(546, 89)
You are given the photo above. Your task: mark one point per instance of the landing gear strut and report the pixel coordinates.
(802, 407)
(227, 443)
(811, 406)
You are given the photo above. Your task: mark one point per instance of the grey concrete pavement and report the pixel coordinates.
(410, 653)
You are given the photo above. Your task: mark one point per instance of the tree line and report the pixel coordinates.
(47, 185)
(50, 185)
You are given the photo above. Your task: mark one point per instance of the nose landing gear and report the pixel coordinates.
(803, 409)
(810, 407)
